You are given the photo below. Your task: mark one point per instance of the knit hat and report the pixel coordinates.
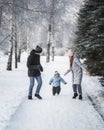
(38, 49)
(56, 72)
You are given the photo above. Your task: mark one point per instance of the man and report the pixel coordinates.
(34, 71)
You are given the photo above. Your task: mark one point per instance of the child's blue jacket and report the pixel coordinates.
(56, 81)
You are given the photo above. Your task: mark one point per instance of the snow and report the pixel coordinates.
(58, 112)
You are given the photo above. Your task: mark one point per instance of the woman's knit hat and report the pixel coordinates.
(38, 49)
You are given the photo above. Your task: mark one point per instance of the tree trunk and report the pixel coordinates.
(19, 55)
(53, 53)
(15, 49)
(27, 41)
(10, 51)
(0, 15)
(15, 34)
(48, 45)
(48, 52)
(51, 33)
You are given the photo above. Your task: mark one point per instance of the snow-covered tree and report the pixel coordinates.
(90, 36)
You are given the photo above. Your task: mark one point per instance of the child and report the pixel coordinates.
(56, 83)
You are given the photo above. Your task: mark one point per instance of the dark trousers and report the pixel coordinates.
(56, 90)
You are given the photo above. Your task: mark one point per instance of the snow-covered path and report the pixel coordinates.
(59, 113)
(55, 112)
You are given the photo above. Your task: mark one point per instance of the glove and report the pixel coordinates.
(65, 83)
(49, 83)
(41, 68)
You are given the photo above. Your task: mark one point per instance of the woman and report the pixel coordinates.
(76, 68)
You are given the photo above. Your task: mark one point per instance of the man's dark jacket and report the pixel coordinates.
(33, 64)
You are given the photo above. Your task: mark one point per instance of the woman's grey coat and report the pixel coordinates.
(76, 70)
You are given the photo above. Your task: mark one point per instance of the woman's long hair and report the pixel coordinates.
(71, 61)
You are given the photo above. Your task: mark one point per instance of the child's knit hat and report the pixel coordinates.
(56, 72)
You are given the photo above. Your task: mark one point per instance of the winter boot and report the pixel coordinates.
(75, 95)
(80, 97)
(30, 97)
(38, 96)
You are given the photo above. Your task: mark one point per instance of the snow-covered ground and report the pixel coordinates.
(53, 112)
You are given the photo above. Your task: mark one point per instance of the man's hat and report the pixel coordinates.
(38, 49)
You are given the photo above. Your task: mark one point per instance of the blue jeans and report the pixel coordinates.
(77, 87)
(32, 81)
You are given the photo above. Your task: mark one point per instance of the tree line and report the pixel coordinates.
(45, 20)
(54, 24)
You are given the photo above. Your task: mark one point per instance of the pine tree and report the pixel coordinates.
(90, 36)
